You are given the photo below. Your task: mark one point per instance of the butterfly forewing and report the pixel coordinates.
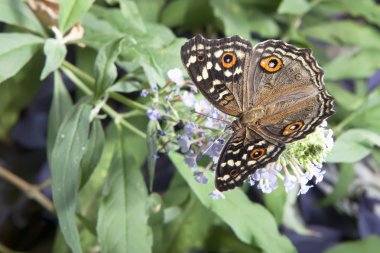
(219, 68)
(242, 155)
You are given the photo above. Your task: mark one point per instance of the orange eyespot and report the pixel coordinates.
(257, 153)
(228, 60)
(271, 63)
(291, 128)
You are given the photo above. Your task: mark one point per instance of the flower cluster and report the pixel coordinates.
(187, 122)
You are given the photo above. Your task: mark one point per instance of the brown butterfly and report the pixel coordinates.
(275, 90)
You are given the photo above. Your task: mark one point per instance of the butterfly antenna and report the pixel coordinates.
(208, 116)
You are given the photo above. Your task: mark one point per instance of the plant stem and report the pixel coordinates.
(32, 191)
(115, 115)
(90, 82)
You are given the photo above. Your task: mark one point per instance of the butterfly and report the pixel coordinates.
(275, 90)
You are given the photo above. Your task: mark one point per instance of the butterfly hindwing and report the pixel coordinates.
(292, 93)
(219, 68)
(242, 155)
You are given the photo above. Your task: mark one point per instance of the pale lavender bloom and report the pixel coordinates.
(303, 183)
(188, 99)
(203, 107)
(304, 189)
(191, 128)
(216, 195)
(215, 150)
(153, 114)
(154, 88)
(267, 179)
(290, 182)
(144, 93)
(184, 143)
(176, 76)
(190, 161)
(200, 177)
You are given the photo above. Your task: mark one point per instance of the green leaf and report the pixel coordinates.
(55, 52)
(60, 105)
(16, 49)
(189, 230)
(275, 202)
(233, 17)
(343, 97)
(251, 222)
(221, 240)
(70, 11)
(174, 13)
(294, 7)
(150, 10)
(341, 188)
(345, 32)
(16, 12)
(151, 138)
(371, 244)
(354, 65)
(94, 149)
(131, 13)
(156, 220)
(67, 153)
(367, 9)
(27, 79)
(353, 145)
(123, 215)
(105, 69)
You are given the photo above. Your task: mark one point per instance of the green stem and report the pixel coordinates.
(90, 82)
(111, 112)
(123, 122)
(128, 102)
(338, 128)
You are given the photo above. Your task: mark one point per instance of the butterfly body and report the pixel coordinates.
(274, 90)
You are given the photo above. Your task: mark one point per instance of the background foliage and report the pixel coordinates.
(54, 84)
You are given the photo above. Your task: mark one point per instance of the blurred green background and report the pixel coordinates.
(110, 194)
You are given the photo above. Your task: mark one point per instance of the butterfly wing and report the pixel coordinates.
(292, 95)
(243, 154)
(219, 69)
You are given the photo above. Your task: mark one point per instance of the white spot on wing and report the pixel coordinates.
(204, 73)
(218, 53)
(227, 73)
(209, 65)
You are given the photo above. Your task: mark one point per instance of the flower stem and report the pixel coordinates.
(30, 190)
(90, 83)
(77, 80)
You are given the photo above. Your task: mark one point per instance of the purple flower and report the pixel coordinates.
(290, 182)
(153, 114)
(216, 195)
(176, 76)
(184, 143)
(144, 93)
(202, 107)
(188, 99)
(215, 149)
(191, 161)
(154, 88)
(267, 179)
(200, 177)
(191, 128)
